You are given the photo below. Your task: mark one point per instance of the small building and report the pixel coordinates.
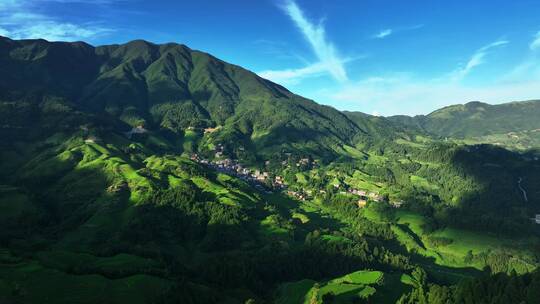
(374, 196)
(91, 139)
(211, 130)
(361, 203)
(397, 204)
(537, 219)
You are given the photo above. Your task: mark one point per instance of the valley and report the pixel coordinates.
(149, 173)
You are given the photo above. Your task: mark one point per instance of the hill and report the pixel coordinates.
(172, 88)
(513, 124)
(149, 173)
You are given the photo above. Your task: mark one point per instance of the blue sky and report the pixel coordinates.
(380, 57)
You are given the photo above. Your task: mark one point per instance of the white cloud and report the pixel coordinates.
(329, 62)
(9, 4)
(55, 31)
(316, 36)
(535, 44)
(476, 60)
(3, 32)
(85, 1)
(529, 66)
(19, 20)
(403, 94)
(294, 76)
(387, 32)
(384, 33)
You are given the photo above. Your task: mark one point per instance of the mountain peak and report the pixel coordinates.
(171, 87)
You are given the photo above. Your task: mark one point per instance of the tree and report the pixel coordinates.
(420, 275)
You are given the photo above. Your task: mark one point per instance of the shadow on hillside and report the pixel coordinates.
(499, 204)
(85, 210)
(445, 275)
(303, 140)
(480, 189)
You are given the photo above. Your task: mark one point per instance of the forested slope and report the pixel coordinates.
(119, 183)
(513, 124)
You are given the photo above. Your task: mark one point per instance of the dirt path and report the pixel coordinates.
(522, 190)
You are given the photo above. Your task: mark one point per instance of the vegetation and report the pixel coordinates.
(110, 190)
(513, 125)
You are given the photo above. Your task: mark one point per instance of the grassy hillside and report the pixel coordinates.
(172, 88)
(513, 124)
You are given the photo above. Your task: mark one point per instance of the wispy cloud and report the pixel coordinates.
(529, 67)
(19, 19)
(54, 31)
(535, 44)
(316, 36)
(390, 31)
(403, 93)
(328, 59)
(406, 94)
(277, 49)
(476, 59)
(85, 1)
(383, 33)
(294, 76)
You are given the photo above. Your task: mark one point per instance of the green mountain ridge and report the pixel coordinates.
(91, 212)
(477, 119)
(171, 87)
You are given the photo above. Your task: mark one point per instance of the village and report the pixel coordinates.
(261, 180)
(266, 182)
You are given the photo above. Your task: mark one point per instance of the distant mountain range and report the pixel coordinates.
(477, 119)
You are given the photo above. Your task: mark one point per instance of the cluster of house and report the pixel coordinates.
(373, 196)
(304, 162)
(205, 130)
(536, 219)
(299, 195)
(261, 179)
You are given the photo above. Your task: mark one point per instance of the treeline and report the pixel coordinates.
(472, 187)
(231, 253)
(497, 289)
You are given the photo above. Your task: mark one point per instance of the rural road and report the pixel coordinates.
(522, 190)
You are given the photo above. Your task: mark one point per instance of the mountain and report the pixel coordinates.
(172, 88)
(382, 127)
(483, 122)
(148, 173)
